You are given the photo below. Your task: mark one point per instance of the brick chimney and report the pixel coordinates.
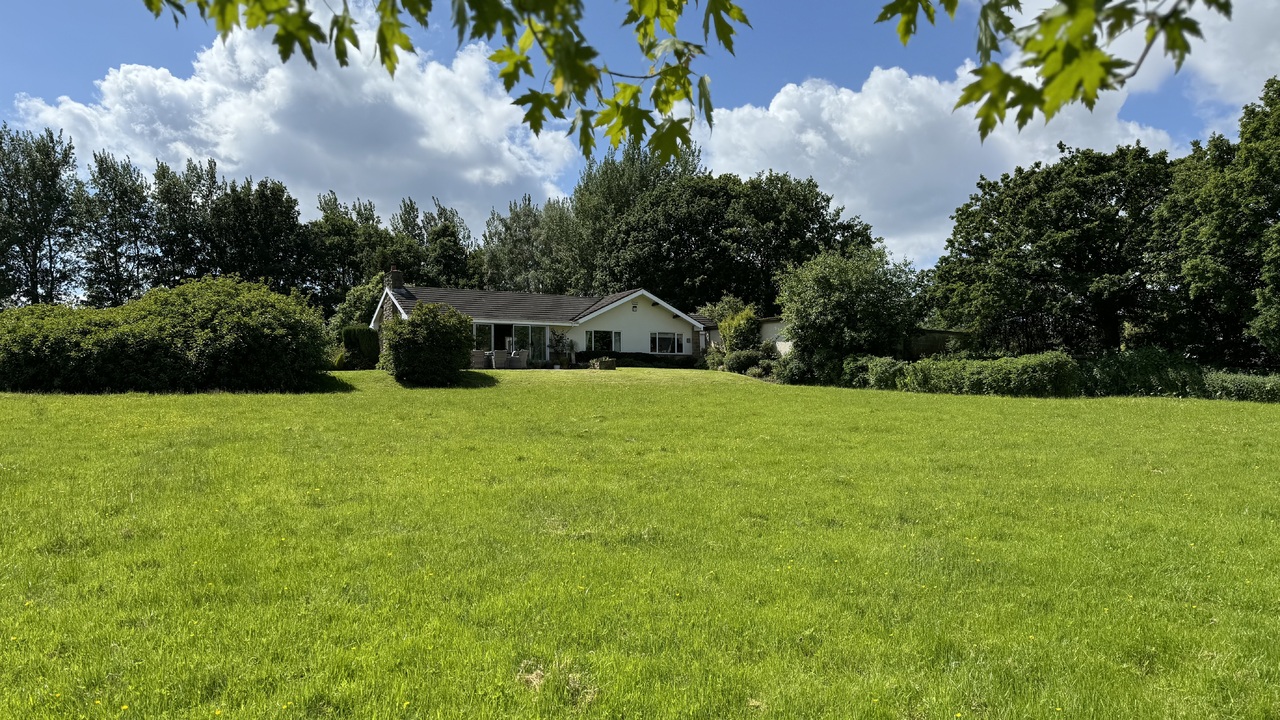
(394, 279)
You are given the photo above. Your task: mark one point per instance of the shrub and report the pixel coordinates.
(1238, 386)
(206, 334)
(854, 371)
(1051, 374)
(357, 307)
(430, 349)
(794, 369)
(885, 373)
(739, 361)
(740, 330)
(715, 357)
(755, 371)
(359, 348)
(1142, 371)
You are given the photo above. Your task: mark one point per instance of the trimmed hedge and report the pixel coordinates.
(1238, 386)
(206, 334)
(1142, 371)
(359, 348)
(1051, 374)
(430, 349)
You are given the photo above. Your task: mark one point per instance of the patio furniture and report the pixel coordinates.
(478, 359)
(500, 360)
(519, 360)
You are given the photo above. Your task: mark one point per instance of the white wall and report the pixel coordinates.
(636, 325)
(772, 330)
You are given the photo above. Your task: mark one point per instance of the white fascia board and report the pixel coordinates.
(635, 295)
(376, 321)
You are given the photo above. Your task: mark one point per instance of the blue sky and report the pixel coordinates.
(815, 89)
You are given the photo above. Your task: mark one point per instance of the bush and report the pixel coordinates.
(715, 358)
(739, 361)
(740, 330)
(755, 371)
(1238, 386)
(206, 334)
(1143, 371)
(359, 348)
(357, 307)
(1051, 374)
(430, 349)
(794, 369)
(885, 373)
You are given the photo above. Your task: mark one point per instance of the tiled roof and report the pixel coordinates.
(508, 306)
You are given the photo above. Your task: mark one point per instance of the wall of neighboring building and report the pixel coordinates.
(773, 330)
(636, 325)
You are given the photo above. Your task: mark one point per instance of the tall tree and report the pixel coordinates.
(1056, 256)
(444, 240)
(38, 200)
(697, 238)
(184, 202)
(1224, 215)
(119, 227)
(515, 257)
(256, 235)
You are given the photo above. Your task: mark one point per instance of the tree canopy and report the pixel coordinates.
(1066, 54)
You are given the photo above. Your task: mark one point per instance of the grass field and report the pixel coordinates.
(637, 544)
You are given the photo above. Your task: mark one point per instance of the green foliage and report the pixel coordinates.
(360, 348)
(748, 230)
(1051, 374)
(430, 349)
(1238, 386)
(739, 361)
(740, 331)
(1060, 256)
(357, 307)
(885, 373)
(839, 305)
(1069, 46)
(722, 309)
(39, 195)
(715, 357)
(795, 369)
(203, 335)
(1142, 371)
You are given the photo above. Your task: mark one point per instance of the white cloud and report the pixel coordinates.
(447, 130)
(1235, 58)
(893, 151)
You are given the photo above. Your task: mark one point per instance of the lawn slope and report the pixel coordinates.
(636, 544)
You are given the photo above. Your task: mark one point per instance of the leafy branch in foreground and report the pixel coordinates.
(1065, 53)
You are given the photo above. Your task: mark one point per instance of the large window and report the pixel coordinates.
(484, 337)
(532, 338)
(604, 340)
(666, 343)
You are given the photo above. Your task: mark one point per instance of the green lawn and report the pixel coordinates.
(637, 544)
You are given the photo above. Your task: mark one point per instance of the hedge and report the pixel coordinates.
(360, 348)
(1238, 386)
(206, 334)
(1142, 371)
(1051, 374)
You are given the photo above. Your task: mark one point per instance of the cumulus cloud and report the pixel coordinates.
(447, 130)
(895, 153)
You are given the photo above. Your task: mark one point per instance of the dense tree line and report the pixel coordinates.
(1100, 251)
(633, 220)
(106, 239)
